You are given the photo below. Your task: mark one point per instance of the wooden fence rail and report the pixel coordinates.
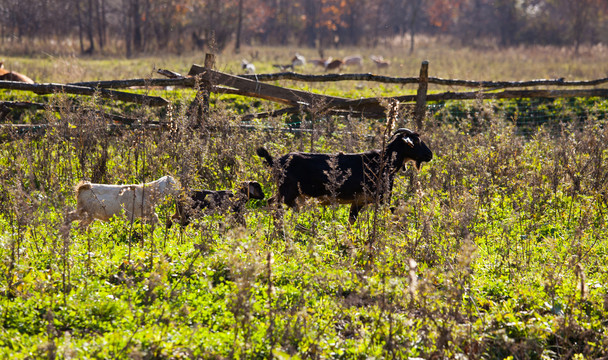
(374, 107)
(83, 90)
(207, 80)
(7, 106)
(415, 80)
(495, 85)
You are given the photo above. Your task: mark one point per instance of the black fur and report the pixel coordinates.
(199, 200)
(358, 179)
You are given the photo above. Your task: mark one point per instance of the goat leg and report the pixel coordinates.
(354, 212)
(85, 221)
(72, 216)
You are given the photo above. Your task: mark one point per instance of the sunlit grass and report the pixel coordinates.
(447, 60)
(495, 248)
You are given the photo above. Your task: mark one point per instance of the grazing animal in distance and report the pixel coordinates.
(13, 75)
(248, 67)
(298, 60)
(321, 62)
(354, 60)
(379, 61)
(355, 179)
(334, 64)
(102, 202)
(198, 200)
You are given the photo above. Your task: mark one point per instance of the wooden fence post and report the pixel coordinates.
(210, 61)
(423, 85)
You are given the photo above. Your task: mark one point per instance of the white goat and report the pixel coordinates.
(101, 201)
(248, 67)
(298, 60)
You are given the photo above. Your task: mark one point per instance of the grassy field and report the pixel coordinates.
(496, 248)
(447, 60)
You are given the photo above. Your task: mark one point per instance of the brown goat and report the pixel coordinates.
(334, 64)
(13, 76)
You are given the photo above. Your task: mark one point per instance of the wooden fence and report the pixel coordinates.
(207, 80)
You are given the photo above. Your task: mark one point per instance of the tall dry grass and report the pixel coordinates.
(496, 248)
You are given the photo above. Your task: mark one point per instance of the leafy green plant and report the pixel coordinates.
(494, 249)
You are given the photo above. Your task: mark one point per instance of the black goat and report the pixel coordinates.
(216, 200)
(356, 179)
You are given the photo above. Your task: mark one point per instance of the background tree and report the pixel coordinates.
(310, 17)
(582, 14)
(239, 27)
(414, 10)
(135, 26)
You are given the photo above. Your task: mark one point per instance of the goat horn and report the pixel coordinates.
(403, 131)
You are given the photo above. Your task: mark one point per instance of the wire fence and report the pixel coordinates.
(526, 114)
(527, 109)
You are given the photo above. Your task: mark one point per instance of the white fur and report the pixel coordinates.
(248, 67)
(298, 60)
(101, 201)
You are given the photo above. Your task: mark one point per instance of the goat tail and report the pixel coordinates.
(263, 153)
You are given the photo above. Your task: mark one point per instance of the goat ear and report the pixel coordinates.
(408, 141)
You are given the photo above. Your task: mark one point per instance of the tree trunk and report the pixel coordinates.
(91, 48)
(579, 13)
(239, 25)
(353, 29)
(145, 13)
(507, 21)
(100, 22)
(137, 38)
(283, 26)
(311, 21)
(104, 23)
(80, 30)
(377, 24)
(128, 24)
(415, 8)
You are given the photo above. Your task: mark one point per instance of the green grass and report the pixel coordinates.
(496, 248)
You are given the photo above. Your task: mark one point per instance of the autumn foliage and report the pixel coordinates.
(181, 25)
